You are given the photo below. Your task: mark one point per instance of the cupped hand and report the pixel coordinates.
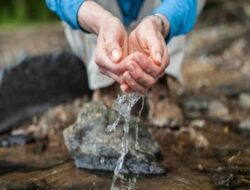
(148, 56)
(112, 47)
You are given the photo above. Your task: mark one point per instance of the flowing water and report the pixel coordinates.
(123, 105)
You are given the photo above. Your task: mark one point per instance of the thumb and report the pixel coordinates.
(156, 50)
(114, 51)
(156, 54)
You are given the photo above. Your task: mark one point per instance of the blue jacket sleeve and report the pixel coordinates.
(181, 15)
(66, 10)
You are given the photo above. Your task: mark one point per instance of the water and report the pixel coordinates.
(123, 105)
(137, 146)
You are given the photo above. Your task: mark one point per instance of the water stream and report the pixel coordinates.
(123, 105)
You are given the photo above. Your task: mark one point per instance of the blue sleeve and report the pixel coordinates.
(67, 10)
(181, 15)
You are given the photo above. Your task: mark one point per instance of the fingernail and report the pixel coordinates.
(115, 55)
(131, 67)
(158, 57)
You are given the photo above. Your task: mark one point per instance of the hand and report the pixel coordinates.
(147, 39)
(112, 38)
(135, 78)
(111, 48)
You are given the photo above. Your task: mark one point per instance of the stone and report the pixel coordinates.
(195, 107)
(198, 123)
(37, 83)
(232, 89)
(244, 100)
(18, 140)
(245, 124)
(93, 147)
(217, 109)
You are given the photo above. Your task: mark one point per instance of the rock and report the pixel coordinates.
(226, 181)
(198, 123)
(232, 89)
(245, 125)
(93, 147)
(37, 83)
(244, 100)
(195, 107)
(217, 109)
(20, 139)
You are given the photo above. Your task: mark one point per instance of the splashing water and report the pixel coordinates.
(137, 146)
(123, 105)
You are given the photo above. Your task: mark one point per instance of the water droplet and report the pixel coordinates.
(102, 160)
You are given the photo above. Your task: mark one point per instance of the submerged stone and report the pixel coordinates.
(93, 147)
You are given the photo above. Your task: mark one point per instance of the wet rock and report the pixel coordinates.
(93, 147)
(245, 124)
(15, 140)
(226, 181)
(232, 89)
(244, 128)
(195, 107)
(217, 109)
(37, 83)
(198, 123)
(244, 100)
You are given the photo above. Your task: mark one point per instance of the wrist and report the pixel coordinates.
(162, 24)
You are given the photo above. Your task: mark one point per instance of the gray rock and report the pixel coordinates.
(18, 140)
(93, 147)
(195, 107)
(232, 89)
(37, 83)
(245, 124)
(244, 100)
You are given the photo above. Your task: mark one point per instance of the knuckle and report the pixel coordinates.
(151, 82)
(137, 76)
(115, 70)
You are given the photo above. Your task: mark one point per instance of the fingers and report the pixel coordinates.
(132, 84)
(140, 76)
(114, 50)
(165, 57)
(156, 49)
(103, 60)
(146, 64)
(110, 74)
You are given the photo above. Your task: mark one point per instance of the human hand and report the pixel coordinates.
(148, 65)
(112, 38)
(111, 48)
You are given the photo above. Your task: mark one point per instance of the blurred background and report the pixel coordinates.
(28, 27)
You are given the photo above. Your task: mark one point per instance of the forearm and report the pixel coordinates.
(91, 16)
(80, 14)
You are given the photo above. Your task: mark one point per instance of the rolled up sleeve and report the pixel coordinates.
(67, 10)
(181, 14)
